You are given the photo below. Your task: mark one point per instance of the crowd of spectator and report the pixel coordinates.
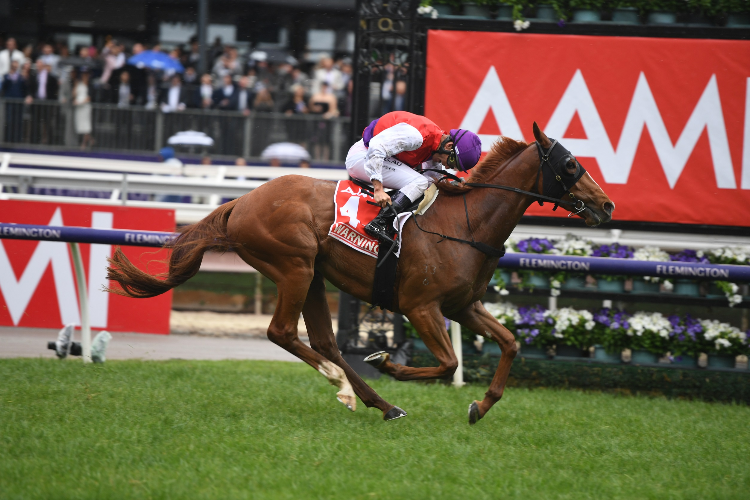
(235, 82)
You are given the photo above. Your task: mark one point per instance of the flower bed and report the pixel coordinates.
(564, 11)
(539, 327)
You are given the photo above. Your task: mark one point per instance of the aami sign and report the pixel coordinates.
(662, 124)
(37, 283)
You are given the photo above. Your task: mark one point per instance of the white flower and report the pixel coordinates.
(504, 292)
(554, 283)
(735, 255)
(651, 323)
(554, 292)
(668, 285)
(573, 245)
(652, 254)
(566, 317)
(734, 287)
(722, 343)
(714, 330)
(734, 300)
(503, 311)
(589, 325)
(520, 25)
(480, 339)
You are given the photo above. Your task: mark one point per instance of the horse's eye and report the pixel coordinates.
(571, 165)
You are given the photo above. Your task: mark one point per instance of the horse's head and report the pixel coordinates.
(563, 177)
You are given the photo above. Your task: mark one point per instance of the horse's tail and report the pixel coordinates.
(187, 253)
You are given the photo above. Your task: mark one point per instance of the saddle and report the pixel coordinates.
(383, 288)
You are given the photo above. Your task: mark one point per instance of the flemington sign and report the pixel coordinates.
(599, 265)
(85, 235)
(662, 124)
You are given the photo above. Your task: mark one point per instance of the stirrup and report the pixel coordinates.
(379, 233)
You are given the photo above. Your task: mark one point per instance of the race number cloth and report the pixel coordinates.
(353, 213)
(663, 125)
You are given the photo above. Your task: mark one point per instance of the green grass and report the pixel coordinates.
(184, 429)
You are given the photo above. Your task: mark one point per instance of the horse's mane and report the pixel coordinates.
(502, 150)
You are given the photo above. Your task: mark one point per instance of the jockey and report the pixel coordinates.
(396, 144)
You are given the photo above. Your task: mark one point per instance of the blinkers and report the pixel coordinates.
(559, 179)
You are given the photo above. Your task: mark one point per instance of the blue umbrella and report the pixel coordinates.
(156, 60)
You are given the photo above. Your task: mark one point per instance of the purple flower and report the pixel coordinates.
(615, 250)
(688, 255)
(528, 340)
(534, 245)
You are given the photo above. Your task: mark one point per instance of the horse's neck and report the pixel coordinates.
(494, 213)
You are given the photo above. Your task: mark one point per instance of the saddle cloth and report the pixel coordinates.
(353, 213)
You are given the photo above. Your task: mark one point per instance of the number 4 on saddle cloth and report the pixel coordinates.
(353, 213)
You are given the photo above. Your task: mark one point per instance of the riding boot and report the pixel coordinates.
(381, 227)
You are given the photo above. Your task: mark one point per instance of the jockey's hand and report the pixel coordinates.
(381, 197)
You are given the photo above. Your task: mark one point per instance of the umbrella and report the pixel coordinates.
(156, 60)
(286, 152)
(190, 138)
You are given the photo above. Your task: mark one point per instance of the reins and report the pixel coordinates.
(541, 198)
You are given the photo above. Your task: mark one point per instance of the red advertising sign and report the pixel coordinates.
(663, 125)
(37, 282)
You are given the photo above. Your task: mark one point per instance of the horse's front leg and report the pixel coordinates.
(476, 318)
(428, 320)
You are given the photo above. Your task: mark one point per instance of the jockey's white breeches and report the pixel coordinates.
(396, 174)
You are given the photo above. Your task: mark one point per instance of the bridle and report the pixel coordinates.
(563, 181)
(554, 188)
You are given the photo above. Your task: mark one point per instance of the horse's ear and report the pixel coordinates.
(542, 139)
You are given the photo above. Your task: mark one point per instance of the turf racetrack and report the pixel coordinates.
(232, 429)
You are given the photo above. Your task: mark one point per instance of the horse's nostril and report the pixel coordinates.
(608, 208)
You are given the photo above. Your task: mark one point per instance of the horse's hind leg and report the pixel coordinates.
(292, 290)
(318, 321)
(429, 322)
(476, 318)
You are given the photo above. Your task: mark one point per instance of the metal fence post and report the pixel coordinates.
(458, 377)
(70, 132)
(2, 121)
(336, 141)
(83, 302)
(247, 136)
(159, 138)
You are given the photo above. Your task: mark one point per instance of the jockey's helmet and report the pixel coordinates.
(467, 147)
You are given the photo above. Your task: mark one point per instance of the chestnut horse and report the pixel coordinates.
(281, 229)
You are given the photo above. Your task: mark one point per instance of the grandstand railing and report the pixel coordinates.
(141, 130)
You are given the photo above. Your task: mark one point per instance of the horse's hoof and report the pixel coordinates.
(394, 413)
(474, 415)
(347, 400)
(377, 359)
